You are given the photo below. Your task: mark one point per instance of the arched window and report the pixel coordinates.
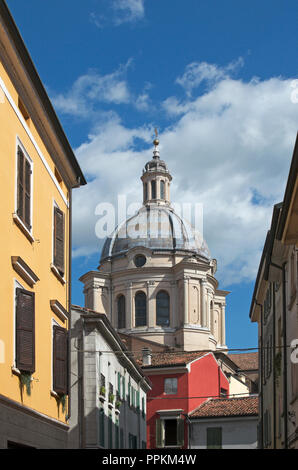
(153, 189)
(146, 191)
(162, 190)
(121, 311)
(140, 309)
(163, 308)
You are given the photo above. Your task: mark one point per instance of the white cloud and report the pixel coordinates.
(93, 88)
(229, 148)
(128, 10)
(198, 72)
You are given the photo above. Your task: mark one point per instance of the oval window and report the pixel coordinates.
(139, 260)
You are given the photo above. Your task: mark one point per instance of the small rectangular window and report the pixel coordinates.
(171, 386)
(214, 438)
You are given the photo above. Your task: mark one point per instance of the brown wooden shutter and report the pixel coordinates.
(59, 240)
(25, 330)
(20, 183)
(60, 360)
(27, 195)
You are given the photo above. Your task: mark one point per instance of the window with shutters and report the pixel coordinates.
(169, 432)
(25, 330)
(60, 360)
(102, 427)
(24, 188)
(121, 439)
(123, 388)
(214, 438)
(59, 240)
(110, 431)
(171, 386)
(117, 444)
(132, 441)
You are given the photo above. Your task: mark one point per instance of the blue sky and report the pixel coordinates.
(214, 77)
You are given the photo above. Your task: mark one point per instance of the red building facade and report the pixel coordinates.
(181, 381)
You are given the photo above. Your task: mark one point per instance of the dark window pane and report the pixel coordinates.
(170, 432)
(153, 189)
(140, 309)
(162, 309)
(214, 438)
(162, 190)
(121, 311)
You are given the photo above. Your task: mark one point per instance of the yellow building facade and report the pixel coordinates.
(38, 170)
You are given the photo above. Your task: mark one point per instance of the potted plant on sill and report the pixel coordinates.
(117, 407)
(111, 400)
(102, 393)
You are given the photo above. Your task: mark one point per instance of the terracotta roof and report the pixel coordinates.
(164, 359)
(246, 361)
(242, 406)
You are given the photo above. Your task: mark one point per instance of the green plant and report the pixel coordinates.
(111, 398)
(118, 404)
(26, 379)
(62, 399)
(102, 390)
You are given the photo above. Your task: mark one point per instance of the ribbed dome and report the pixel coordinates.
(157, 228)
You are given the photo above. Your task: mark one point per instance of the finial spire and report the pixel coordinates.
(156, 143)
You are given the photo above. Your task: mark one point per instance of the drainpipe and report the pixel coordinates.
(285, 374)
(285, 354)
(69, 305)
(261, 381)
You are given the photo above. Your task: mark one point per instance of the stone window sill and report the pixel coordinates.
(57, 274)
(22, 227)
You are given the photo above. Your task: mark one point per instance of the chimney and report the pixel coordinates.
(147, 353)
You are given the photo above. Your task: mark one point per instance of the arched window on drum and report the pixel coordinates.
(153, 189)
(163, 308)
(121, 311)
(162, 189)
(140, 309)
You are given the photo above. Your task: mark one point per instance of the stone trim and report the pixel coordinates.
(23, 270)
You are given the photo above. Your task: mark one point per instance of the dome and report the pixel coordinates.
(157, 228)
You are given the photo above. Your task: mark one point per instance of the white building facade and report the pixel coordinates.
(108, 389)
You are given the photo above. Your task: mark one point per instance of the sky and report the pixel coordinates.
(217, 81)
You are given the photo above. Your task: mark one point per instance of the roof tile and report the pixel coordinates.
(241, 406)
